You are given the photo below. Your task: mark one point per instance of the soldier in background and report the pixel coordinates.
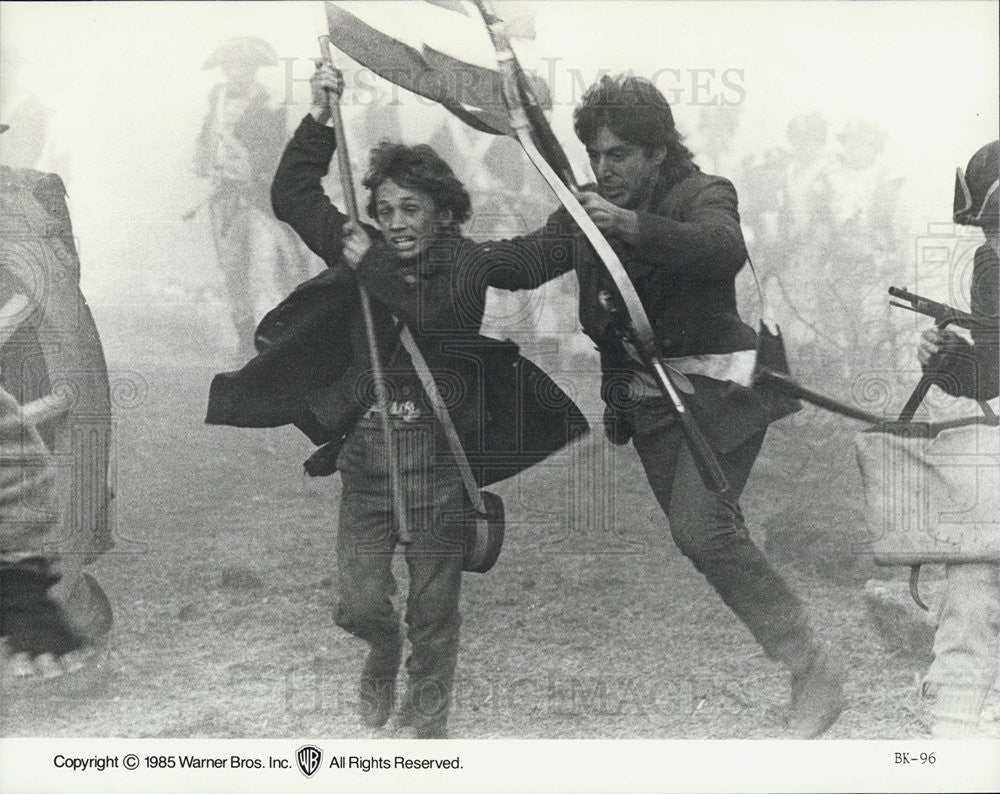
(967, 640)
(241, 140)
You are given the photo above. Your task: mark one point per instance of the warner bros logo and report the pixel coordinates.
(308, 757)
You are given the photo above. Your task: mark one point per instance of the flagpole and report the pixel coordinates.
(381, 391)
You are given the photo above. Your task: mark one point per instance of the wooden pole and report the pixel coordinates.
(381, 391)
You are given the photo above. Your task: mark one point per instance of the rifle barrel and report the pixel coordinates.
(941, 313)
(791, 387)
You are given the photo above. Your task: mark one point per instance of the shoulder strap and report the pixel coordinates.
(765, 310)
(441, 412)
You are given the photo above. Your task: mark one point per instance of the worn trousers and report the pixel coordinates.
(710, 530)
(966, 648)
(367, 537)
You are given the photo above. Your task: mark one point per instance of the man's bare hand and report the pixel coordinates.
(610, 218)
(932, 341)
(356, 244)
(327, 84)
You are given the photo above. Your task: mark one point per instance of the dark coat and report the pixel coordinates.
(313, 369)
(684, 266)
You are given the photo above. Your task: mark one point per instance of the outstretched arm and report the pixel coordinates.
(448, 291)
(524, 262)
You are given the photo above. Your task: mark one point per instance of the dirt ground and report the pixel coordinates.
(592, 625)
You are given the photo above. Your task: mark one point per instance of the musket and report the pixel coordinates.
(786, 384)
(381, 390)
(943, 316)
(529, 123)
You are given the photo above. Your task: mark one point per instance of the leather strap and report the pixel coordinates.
(441, 412)
(766, 316)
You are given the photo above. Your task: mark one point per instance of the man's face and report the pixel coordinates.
(625, 172)
(407, 218)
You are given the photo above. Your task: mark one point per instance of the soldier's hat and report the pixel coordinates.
(977, 187)
(247, 50)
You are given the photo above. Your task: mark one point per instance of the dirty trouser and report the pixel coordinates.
(710, 531)
(966, 648)
(367, 536)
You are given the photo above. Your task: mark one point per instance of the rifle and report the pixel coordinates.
(787, 385)
(943, 316)
(542, 147)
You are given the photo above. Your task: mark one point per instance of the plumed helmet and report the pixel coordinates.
(245, 50)
(976, 190)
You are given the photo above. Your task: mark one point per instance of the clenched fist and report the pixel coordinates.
(610, 218)
(326, 83)
(356, 244)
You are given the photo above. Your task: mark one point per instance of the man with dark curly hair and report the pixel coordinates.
(677, 233)
(419, 271)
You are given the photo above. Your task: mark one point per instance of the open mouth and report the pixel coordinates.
(404, 243)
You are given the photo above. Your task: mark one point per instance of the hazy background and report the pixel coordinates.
(841, 124)
(125, 90)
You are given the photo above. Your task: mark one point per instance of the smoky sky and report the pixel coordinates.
(125, 90)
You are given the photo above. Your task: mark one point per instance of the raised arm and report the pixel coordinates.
(297, 194)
